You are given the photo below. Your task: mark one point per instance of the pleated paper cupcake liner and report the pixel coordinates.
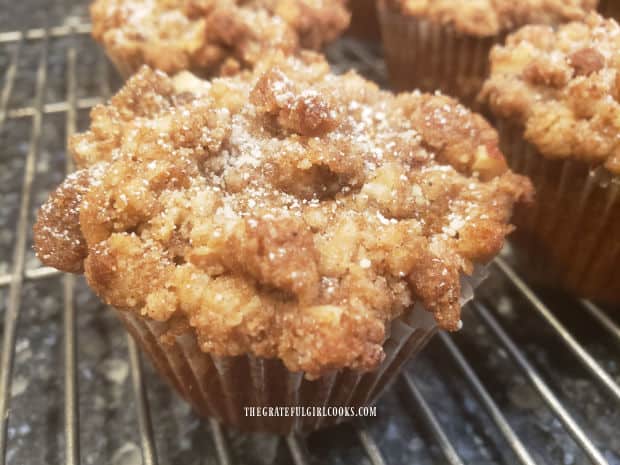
(429, 56)
(610, 8)
(125, 66)
(364, 21)
(570, 238)
(221, 387)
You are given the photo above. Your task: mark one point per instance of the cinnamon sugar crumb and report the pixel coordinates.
(286, 213)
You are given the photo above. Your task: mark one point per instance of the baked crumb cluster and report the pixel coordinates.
(563, 88)
(286, 213)
(493, 17)
(212, 37)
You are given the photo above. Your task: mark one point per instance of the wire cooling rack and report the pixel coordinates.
(532, 379)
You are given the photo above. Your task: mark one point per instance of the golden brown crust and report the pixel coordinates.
(289, 213)
(60, 242)
(563, 88)
(492, 17)
(211, 37)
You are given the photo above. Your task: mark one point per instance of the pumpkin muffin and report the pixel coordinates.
(556, 95)
(285, 237)
(211, 37)
(445, 44)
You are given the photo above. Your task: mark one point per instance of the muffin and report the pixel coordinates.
(445, 44)
(211, 38)
(364, 21)
(610, 8)
(556, 96)
(285, 237)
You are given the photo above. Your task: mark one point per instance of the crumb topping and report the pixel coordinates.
(563, 88)
(60, 242)
(286, 213)
(212, 37)
(492, 17)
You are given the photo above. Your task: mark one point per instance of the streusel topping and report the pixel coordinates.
(563, 88)
(212, 37)
(493, 17)
(287, 213)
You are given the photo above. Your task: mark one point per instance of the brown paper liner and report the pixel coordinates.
(425, 55)
(570, 237)
(125, 66)
(610, 8)
(364, 20)
(221, 387)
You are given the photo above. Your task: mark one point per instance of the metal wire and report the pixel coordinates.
(41, 33)
(603, 319)
(370, 446)
(565, 336)
(448, 450)
(15, 290)
(145, 425)
(550, 399)
(488, 403)
(9, 81)
(56, 107)
(298, 450)
(296, 444)
(72, 425)
(31, 275)
(72, 440)
(221, 444)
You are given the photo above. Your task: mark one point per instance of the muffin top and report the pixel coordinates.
(563, 88)
(212, 37)
(492, 17)
(287, 212)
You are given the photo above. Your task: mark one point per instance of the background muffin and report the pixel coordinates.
(288, 237)
(556, 96)
(444, 44)
(211, 37)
